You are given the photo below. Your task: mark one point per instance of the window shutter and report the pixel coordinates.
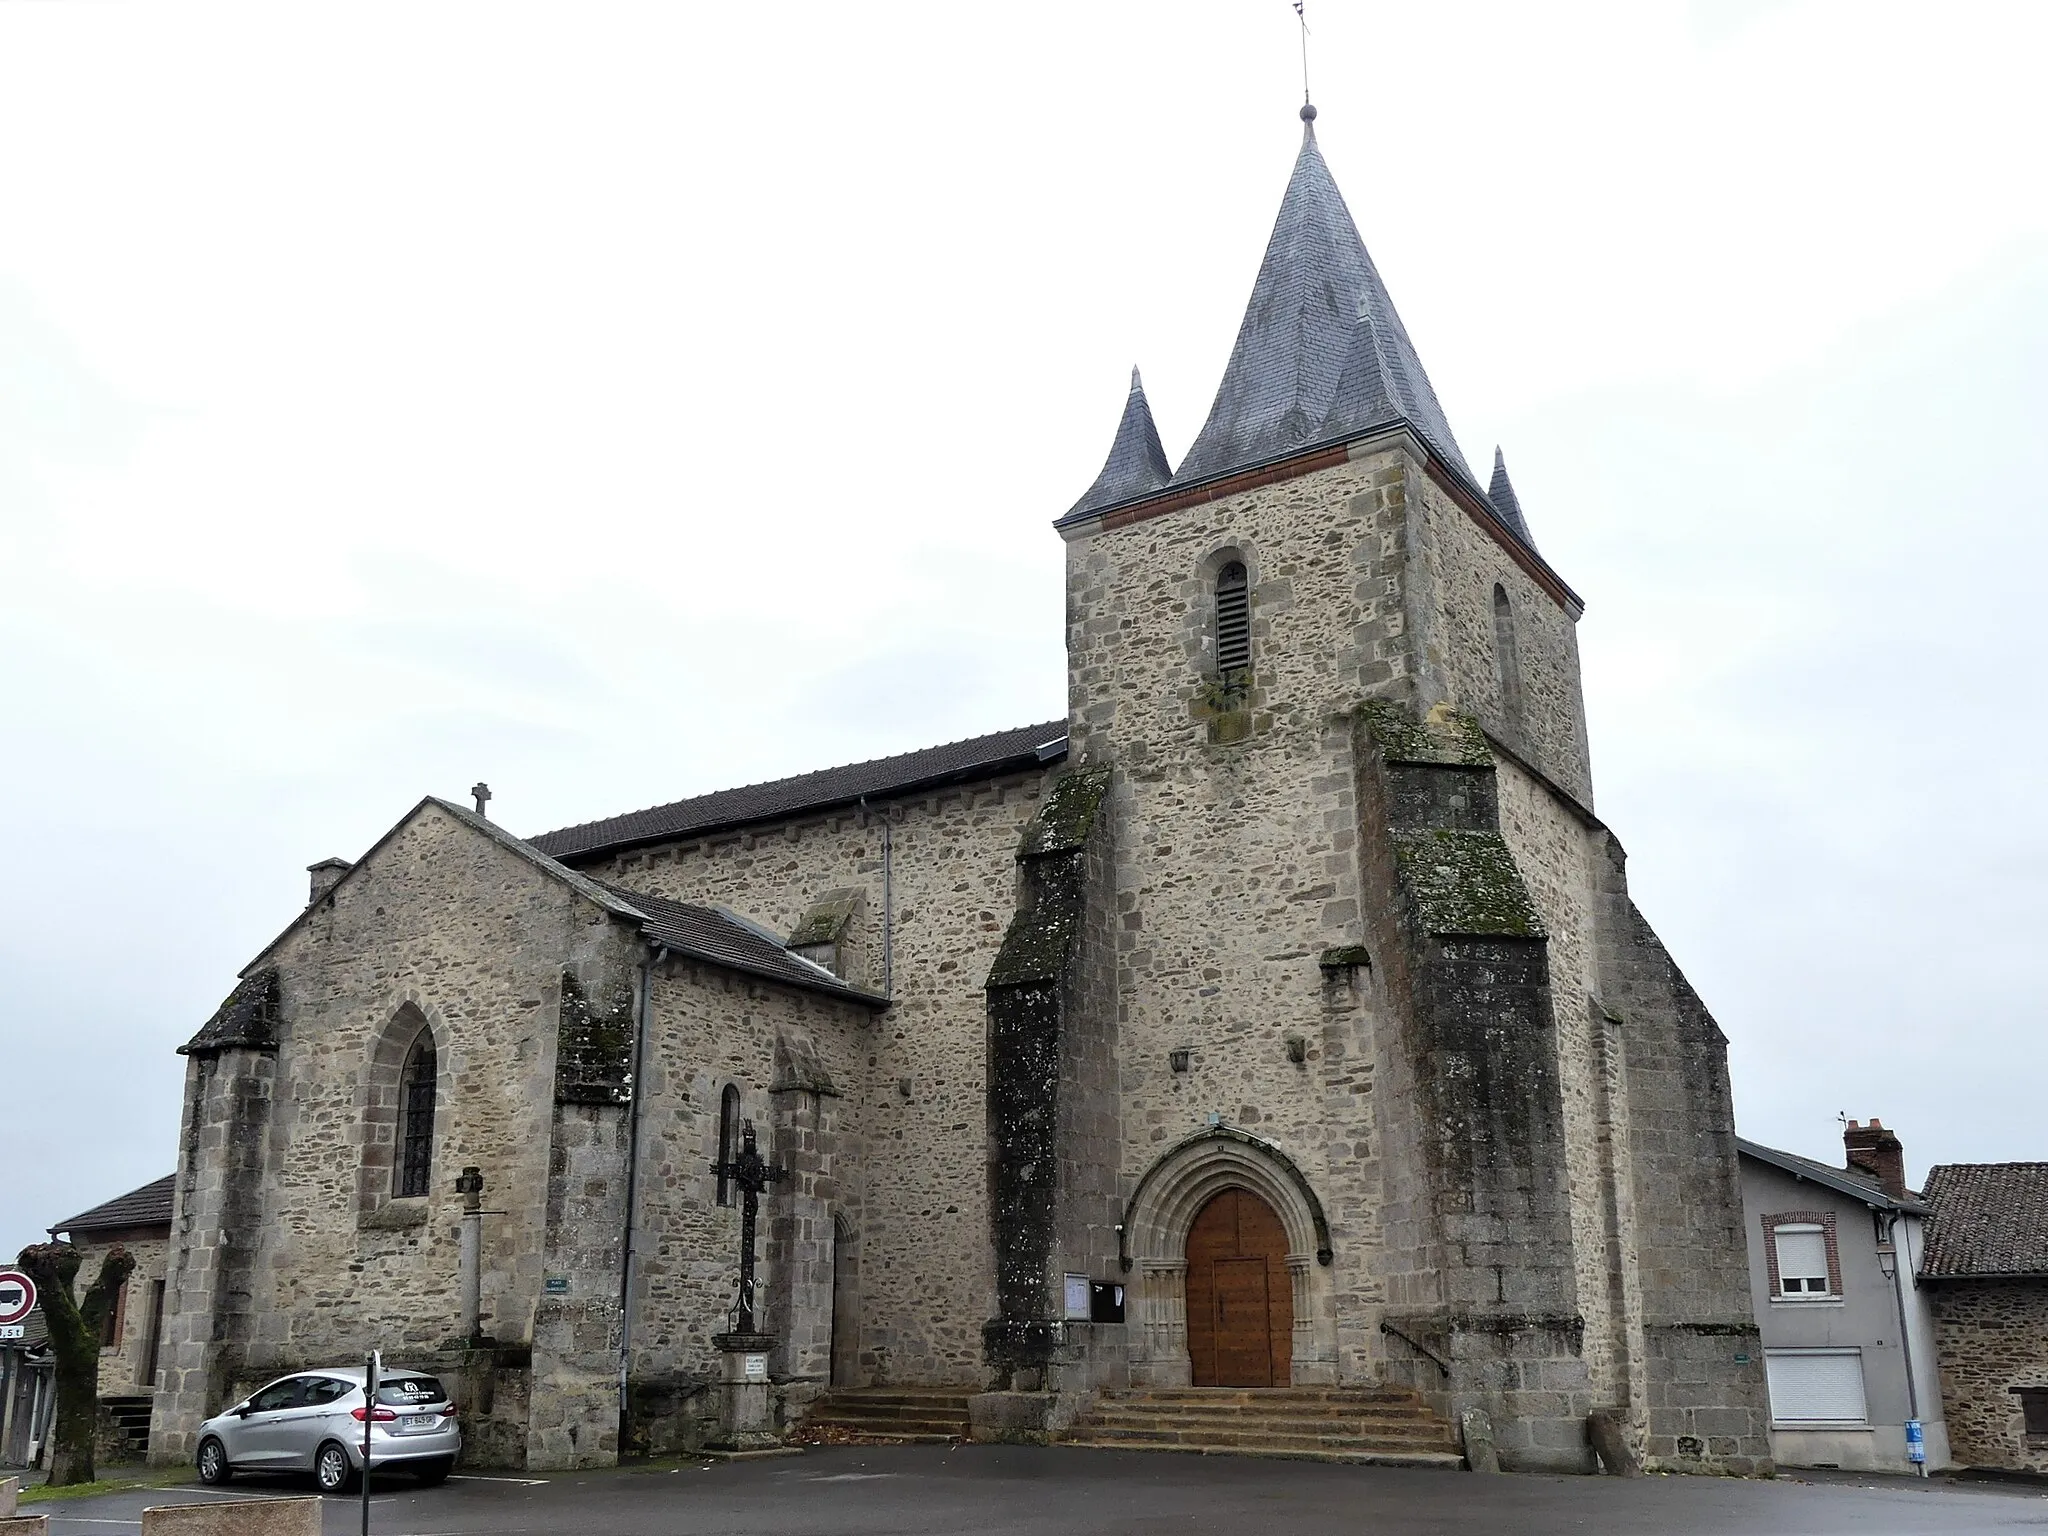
(1802, 1256)
(1233, 619)
(1816, 1387)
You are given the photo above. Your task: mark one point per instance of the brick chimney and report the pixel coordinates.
(326, 875)
(1876, 1151)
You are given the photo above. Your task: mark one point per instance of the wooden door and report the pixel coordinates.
(1240, 1300)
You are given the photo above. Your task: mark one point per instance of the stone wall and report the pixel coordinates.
(440, 923)
(1236, 850)
(711, 1027)
(1454, 565)
(127, 1362)
(1991, 1336)
(915, 1084)
(1702, 1376)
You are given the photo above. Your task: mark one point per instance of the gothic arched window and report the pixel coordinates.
(416, 1119)
(1505, 659)
(728, 1139)
(1233, 619)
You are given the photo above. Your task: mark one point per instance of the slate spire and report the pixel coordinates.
(1505, 504)
(1136, 464)
(1321, 355)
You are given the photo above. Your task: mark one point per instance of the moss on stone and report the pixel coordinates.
(827, 918)
(1066, 815)
(1344, 955)
(1445, 736)
(594, 1046)
(1465, 883)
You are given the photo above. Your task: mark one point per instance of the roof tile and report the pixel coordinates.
(149, 1206)
(980, 757)
(1990, 1219)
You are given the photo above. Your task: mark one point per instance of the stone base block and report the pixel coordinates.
(237, 1517)
(24, 1525)
(1012, 1418)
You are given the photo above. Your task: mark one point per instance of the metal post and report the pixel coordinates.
(372, 1369)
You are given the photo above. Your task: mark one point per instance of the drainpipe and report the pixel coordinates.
(1902, 1264)
(643, 1010)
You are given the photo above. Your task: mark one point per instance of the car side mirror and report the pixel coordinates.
(241, 1410)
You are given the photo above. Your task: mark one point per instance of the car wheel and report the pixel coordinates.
(213, 1462)
(332, 1470)
(436, 1471)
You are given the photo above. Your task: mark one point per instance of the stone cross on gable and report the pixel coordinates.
(751, 1173)
(482, 791)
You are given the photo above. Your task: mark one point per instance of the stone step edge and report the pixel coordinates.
(1448, 1461)
(889, 1437)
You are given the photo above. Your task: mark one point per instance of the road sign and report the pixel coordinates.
(17, 1296)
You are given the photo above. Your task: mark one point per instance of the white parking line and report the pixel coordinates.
(517, 1482)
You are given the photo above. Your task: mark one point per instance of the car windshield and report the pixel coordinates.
(405, 1391)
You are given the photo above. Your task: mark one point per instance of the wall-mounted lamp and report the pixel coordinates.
(1297, 1049)
(1178, 1059)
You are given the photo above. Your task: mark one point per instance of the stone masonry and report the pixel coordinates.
(1306, 901)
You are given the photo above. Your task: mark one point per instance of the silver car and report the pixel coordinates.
(314, 1421)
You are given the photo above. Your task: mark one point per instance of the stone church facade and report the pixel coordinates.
(1291, 976)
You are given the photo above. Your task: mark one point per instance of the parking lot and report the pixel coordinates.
(1029, 1491)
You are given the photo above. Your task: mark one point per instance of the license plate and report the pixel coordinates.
(417, 1421)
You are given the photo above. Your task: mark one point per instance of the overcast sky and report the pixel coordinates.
(621, 402)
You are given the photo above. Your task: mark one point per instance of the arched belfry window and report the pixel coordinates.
(416, 1085)
(1233, 619)
(728, 1139)
(1505, 660)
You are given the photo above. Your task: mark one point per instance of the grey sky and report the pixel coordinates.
(620, 402)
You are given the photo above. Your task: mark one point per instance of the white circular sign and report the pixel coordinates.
(17, 1296)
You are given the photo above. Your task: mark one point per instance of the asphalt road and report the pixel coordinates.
(1027, 1491)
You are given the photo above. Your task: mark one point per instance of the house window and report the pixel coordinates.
(728, 1139)
(2034, 1407)
(1804, 1262)
(1816, 1386)
(114, 1321)
(1233, 619)
(416, 1119)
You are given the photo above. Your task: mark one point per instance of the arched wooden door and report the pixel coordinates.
(1240, 1299)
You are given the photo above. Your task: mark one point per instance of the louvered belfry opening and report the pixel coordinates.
(416, 1109)
(1233, 619)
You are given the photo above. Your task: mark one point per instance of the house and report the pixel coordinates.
(1848, 1339)
(139, 1221)
(1985, 1272)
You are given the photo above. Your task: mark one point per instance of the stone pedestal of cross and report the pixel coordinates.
(745, 1417)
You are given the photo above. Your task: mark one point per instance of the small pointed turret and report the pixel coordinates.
(1505, 505)
(1136, 464)
(1321, 356)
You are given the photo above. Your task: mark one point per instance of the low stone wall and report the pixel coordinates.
(24, 1525)
(237, 1517)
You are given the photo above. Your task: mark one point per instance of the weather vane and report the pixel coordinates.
(1301, 16)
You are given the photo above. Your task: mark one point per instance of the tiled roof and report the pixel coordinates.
(724, 938)
(981, 757)
(1507, 506)
(1990, 1219)
(1853, 1182)
(149, 1206)
(1322, 355)
(1136, 465)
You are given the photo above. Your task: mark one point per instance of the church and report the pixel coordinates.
(1278, 1019)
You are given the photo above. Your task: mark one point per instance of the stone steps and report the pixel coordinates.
(908, 1414)
(1383, 1426)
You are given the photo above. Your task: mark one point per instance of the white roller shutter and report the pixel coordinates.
(1816, 1386)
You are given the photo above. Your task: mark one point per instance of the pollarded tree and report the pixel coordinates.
(75, 1330)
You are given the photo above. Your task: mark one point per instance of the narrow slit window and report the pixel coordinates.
(1506, 662)
(1233, 619)
(416, 1123)
(728, 1139)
